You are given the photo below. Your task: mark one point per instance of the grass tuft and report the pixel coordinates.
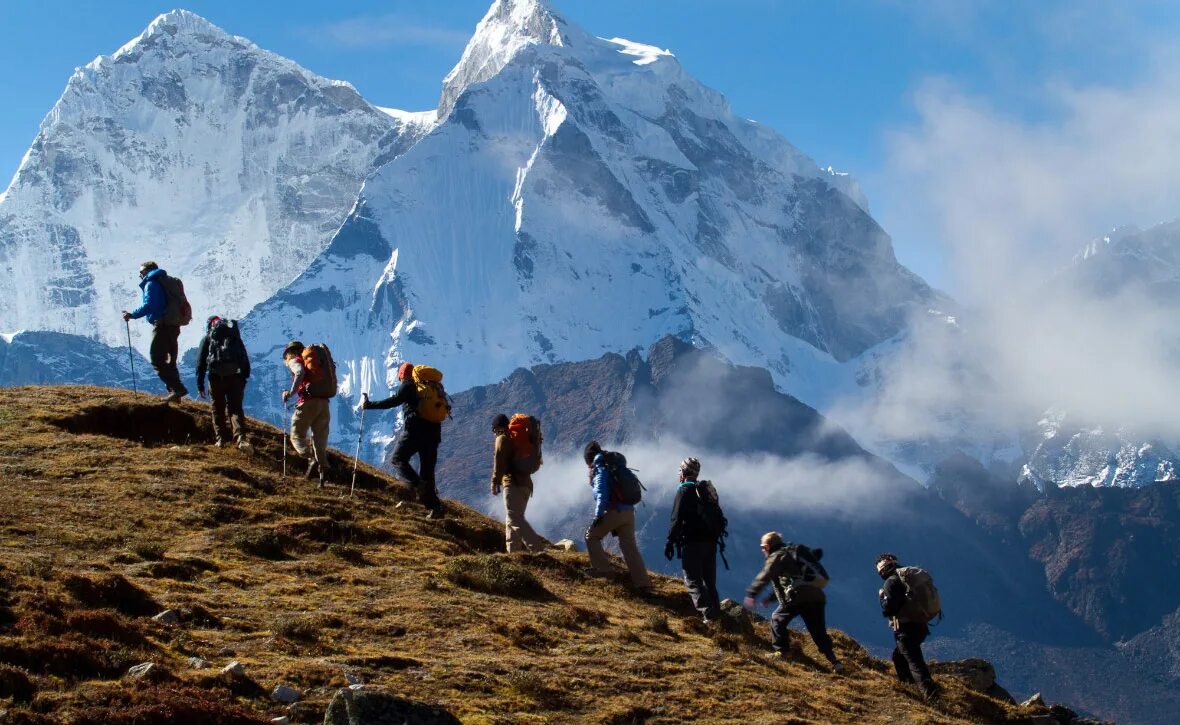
(495, 574)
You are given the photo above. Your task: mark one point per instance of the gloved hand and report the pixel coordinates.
(201, 392)
(750, 603)
(126, 316)
(286, 394)
(669, 550)
(495, 489)
(365, 401)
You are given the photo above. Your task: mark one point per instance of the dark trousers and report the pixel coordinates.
(421, 438)
(163, 352)
(813, 618)
(227, 393)
(907, 654)
(699, 559)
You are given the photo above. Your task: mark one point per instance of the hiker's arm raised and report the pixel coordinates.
(401, 397)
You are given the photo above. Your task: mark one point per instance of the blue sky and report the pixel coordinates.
(874, 87)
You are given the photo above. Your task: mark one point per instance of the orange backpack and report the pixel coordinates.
(525, 433)
(319, 371)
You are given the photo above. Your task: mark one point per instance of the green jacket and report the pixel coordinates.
(783, 573)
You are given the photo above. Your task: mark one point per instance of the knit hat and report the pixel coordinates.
(293, 348)
(690, 468)
(500, 421)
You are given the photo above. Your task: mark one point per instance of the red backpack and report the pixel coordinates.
(525, 433)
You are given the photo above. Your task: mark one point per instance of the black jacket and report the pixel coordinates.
(687, 524)
(407, 397)
(892, 596)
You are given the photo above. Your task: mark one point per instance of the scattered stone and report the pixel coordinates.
(142, 671)
(284, 720)
(285, 695)
(352, 679)
(199, 664)
(374, 707)
(225, 652)
(168, 617)
(566, 545)
(235, 668)
(357, 686)
(1035, 701)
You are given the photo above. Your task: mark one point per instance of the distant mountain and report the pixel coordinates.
(229, 165)
(54, 358)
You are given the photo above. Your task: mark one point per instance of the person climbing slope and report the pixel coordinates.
(424, 407)
(166, 309)
(312, 389)
(909, 601)
(512, 475)
(798, 579)
(614, 513)
(697, 527)
(223, 355)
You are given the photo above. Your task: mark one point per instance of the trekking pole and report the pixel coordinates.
(131, 358)
(359, 435)
(288, 424)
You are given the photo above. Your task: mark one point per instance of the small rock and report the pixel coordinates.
(234, 668)
(566, 545)
(399, 504)
(167, 617)
(357, 686)
(285, 695)
(1035, 701)
(284, 720)
(142, 671)
(199, 664)
(225, 652)
(352, 679)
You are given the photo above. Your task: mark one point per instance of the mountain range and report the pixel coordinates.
(583, 230)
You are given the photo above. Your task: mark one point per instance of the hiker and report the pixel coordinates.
(798, 579)
(612, 516)
(312, 413)
(909, 625)
(697, 526)
(419, 436)
(517, 485)
(165, 328)
(223, 355)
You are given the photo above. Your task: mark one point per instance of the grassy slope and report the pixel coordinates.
(257, 566)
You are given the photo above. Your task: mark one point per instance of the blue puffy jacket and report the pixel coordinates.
(155, 299)
(600, 481)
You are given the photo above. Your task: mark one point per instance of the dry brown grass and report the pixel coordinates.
(117, 507)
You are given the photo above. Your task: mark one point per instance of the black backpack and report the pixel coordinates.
(227, 352)
(709, 508)
(813, 572)
(625, 486)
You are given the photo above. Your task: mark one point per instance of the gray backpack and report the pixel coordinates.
(922, 601)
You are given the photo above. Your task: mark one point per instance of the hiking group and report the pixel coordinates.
(697, 530)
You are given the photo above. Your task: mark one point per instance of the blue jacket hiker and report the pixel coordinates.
(611, 517)
(164, 348)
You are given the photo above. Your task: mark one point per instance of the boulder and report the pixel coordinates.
(168, 617)
(285, 695)
(566, 545)
(235, 669)
(199, 664)
(976, 674)
(374, 707)
(149, 672)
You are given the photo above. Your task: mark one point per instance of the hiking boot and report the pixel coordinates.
(175, 396)
(244, 445)
(931, 692)
(219, 443)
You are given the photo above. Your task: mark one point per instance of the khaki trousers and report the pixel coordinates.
(314, 414)
(622, 524)
(518, 533)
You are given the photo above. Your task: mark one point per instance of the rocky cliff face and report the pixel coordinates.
(229, 165)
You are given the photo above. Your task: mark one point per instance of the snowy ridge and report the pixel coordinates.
(571, 202)
(229, 165)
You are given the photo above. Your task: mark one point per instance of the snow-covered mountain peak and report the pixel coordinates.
(508, 26)
(228, 164)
